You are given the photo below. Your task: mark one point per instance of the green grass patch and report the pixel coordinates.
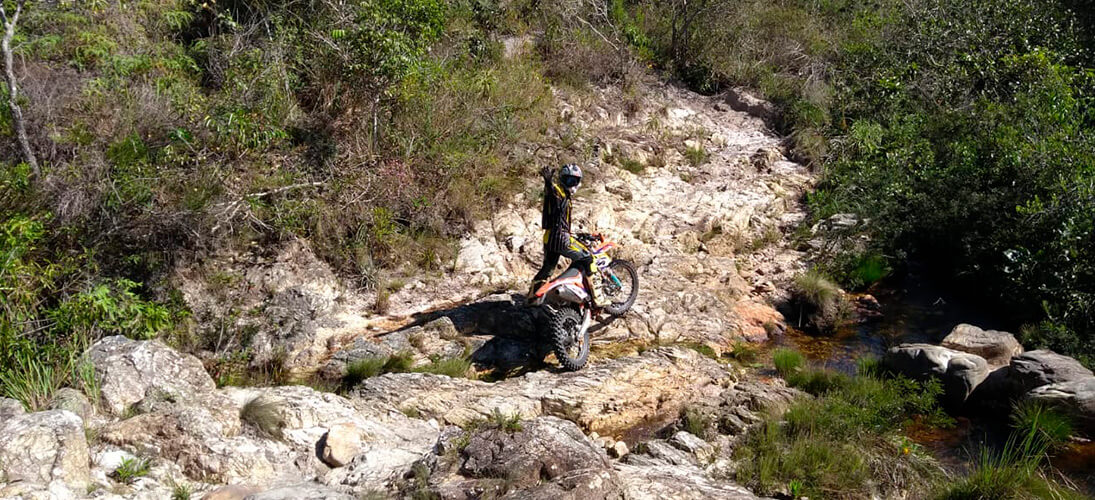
(787, 361)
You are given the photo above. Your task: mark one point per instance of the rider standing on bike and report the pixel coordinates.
(558, 239)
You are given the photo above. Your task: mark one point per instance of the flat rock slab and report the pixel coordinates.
(605, 398)
(678, 482)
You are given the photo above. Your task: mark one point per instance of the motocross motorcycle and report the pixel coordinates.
(567, 306)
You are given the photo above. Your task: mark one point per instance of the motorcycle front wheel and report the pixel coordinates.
(620, 286)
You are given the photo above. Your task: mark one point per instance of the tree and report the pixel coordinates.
(13, 84)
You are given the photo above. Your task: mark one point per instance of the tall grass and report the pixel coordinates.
(845, 442)
(1014, 472)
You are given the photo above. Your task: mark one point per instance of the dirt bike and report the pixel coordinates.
(568, 306)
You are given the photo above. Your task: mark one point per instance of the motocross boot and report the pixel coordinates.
(596, 286)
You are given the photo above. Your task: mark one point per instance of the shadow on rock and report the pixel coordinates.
(502, 332)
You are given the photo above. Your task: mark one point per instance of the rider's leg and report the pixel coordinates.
(582, 259)
(551, 259)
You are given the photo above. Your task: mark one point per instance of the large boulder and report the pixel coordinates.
(1042, 367)
(44, 446)
(995, 346)
(542, 458)
(959, 372)
(131, 370)
(1076, 398)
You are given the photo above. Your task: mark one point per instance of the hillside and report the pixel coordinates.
(260, 249)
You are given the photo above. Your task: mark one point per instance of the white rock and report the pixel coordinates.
(45, 446)
(130, 370)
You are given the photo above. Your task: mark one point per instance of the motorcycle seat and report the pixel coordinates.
(569, 273)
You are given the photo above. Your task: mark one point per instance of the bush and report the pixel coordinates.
(961, 129)
(1049, 425)
(457, 367)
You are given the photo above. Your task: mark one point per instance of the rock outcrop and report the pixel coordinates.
(43, 447)
(995, 346)
(546, 458)
(130, 370)
(605, 398)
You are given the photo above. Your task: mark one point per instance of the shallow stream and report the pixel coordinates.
(915, 311)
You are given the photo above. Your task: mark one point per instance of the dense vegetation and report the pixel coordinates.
(963, 130)
(376, 130)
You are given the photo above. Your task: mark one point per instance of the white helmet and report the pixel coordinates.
(570, 176)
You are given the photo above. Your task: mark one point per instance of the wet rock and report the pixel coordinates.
(131, 370)
(995, 346)
(44, 446)
(1076, 398)
(72, 400)
(302, 491)
(1037, 368)
(959, 372)
(684, 482)
(693, 444)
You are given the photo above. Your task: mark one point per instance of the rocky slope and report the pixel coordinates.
(703, 208)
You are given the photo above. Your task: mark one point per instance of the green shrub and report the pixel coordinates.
(787, 361)
(1013, 472)
(845, 441)
(820, 302)
(130, 469)
(508, 423)
(696, 156)
(32, 382)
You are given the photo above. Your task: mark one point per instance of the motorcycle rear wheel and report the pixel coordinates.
(570, 348)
